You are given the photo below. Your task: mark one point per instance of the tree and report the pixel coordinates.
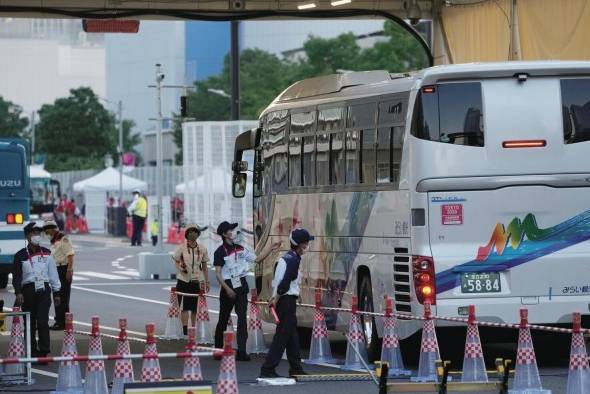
(75, 132)
(130, 140)
(12, 123)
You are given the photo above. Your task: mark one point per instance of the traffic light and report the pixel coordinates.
(183, 106)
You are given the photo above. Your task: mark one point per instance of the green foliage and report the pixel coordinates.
(130, 140)
(75, 132)
(12, 123)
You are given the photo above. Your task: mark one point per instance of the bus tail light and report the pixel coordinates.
(524, 144)
(424, 279)
(14, 218)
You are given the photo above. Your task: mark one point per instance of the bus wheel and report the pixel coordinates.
(3, 281)
(368, 322)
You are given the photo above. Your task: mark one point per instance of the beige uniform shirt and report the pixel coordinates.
(61, 249)
(194, 259)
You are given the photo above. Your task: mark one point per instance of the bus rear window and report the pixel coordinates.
(11, 170)
(575, 101)
(451, 113)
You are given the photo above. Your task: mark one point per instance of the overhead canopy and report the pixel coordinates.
(108, 180)
(37, 171)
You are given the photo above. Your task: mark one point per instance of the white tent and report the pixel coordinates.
(108, 180)
(220, 182)
(37, 171)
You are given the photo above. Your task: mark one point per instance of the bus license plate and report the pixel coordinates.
(478, 282)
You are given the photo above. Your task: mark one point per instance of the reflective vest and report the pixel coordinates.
(140, 208)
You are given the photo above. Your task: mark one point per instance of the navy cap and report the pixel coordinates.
(225, 226)
(32, 227)
(299, 236)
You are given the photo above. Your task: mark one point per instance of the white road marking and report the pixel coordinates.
(128, 297)
(77, 278)
(132, 273)
(44, 373)
(100, 275)
(115, 264)
(128, 256)
(120, 259)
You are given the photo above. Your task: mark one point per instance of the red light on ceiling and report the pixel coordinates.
(524, 144)
(110, 25)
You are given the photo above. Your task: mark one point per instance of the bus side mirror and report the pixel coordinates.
(239, 181)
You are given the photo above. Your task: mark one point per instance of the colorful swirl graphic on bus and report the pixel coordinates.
(527, 242)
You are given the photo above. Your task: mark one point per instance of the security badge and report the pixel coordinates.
(235, 268)
(38, 267)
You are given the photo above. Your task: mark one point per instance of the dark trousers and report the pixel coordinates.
(64, 295)
(138, 223)
(154, 240)
(286, 337)
(38, 304)
(226, 304)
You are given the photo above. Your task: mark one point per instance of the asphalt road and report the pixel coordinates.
(106, 284)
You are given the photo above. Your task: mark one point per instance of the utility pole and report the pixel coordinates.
(33, 137)
(120, 153)
(159, 164)
(235, 70)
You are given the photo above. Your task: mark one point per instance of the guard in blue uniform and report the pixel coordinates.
(286, 284)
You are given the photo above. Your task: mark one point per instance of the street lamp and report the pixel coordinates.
(120, 111)
(219, 92)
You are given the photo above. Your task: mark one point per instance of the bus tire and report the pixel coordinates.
(368, 323)
(3, 280)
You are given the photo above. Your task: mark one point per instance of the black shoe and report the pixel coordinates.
(57, 327)
(269, 375)
(298, 372)
(242, 356)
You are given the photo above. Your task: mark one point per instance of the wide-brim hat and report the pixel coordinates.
(49, 224)
(193, 226)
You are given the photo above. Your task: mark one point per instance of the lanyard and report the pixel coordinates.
(31, 260)
(191, 249)
(235, 253)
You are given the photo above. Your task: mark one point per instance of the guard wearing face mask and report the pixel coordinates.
(286, 284)
(232, 264)
(138, 212)
(34, 278)
(192, 272)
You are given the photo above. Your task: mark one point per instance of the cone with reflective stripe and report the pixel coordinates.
(204, 335)
(173, 325)
(123, 368)
(69, 379)
(16, 346)
(390, 350)
(429, 352)
(95, 379)
(319, 351)
(578, 379)
(526, 374)
(474, 367)
(356, 339)
(230, 328)
(150, 369)
(227, 382)
(192, 365)
(255, 343)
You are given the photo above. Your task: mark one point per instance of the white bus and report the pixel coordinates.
(461, 184)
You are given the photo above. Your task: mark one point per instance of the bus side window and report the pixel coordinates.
(575, 98)
(396, 153)
(295, 161)
(368, 159)
(352, 157)
(308, 160)
(384, 155)
(337, 158)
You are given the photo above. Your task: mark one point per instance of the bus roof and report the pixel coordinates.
(339, 87)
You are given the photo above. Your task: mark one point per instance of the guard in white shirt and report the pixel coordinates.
(232, 264)
(286, 285)
(34, 278)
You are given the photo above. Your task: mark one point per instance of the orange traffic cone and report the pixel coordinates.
(16, 347)
(390, 350)
(227, 382)
(356, 340)
(203, 331)
(69, 379)
(319, 350)
(173, 326)
(150, 369)
(526, 373)
(123, 368)
(429, 352)
(474, 367)
(255, 343)
(578, 378)
(95, 380)
(192, 365)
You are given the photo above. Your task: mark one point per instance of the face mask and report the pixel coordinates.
(135, 197)
(36, 239)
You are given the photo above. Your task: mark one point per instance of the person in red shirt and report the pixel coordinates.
(60, 212)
